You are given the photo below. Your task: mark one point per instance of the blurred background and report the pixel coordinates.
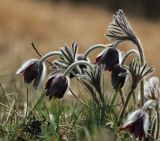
(51, 23)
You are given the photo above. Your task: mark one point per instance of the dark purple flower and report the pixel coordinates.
(80, 68)
(118, 76)
(81, 57)
(137, 124)
(109, 57)
(32, 70)
(56, 86)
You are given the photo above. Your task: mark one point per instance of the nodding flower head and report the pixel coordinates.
(109, 57)
(80, 68)
(57, 85)
(81, 57)
(137, 124)
(152, 89)
(33, 70)
(118, 76)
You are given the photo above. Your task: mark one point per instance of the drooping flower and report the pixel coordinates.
(118, 76)
(56, 86)
(81, 57)
(109, 57)
(79, 69)
(33, 70)
(152, 89)
(137, 124)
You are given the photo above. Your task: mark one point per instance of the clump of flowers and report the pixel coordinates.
(72, 64)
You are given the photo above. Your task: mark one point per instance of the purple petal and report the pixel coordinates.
(41, 71)
(117, 79)
(25, 65)
(57, 86)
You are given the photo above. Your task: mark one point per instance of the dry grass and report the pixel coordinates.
(50, 26)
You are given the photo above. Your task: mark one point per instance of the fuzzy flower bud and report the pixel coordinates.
(109, 57)
(33, 70)
(118, 76)
(56, 86)
(137, 124)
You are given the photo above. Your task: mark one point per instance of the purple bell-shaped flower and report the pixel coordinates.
(33, 70)
(118, 76)
(137, 124)
(56, 86)
(109, 57)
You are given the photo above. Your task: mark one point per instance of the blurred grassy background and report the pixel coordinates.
(50, 24)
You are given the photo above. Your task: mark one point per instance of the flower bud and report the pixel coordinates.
(137, 124)
(33, 70)
(56, 86)
(118, 76)
(80, 68)
(109, 57)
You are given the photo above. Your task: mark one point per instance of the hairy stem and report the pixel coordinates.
(122, 96)
(58, 53)
(39, 54)
(68, 70)
(78, 98)
(90, 49)
(104, 107)
(157, 133)
(27, 101)
(125, 104)
(141, 51)
(142, 58)
(93, 96)
(130, 52)
(153, 127)
(113, 99)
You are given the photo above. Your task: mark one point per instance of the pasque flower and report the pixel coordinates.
(137, 124)
(57, 85)
(152, 89)
(79, 68)
(82, 66)
(109, 57)
(118, 76)
(33, 70)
